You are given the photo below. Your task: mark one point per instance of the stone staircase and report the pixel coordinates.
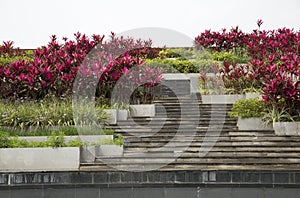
(188, 135)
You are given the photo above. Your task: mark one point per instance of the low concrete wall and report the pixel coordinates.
(109, 150)
(221, 99)
(287, 128)
(252, 124)
(39, 159)
(144, 110)
(116, 115)
(89, 153)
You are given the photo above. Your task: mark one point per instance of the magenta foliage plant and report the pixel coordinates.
(54, 67)
(274, 68)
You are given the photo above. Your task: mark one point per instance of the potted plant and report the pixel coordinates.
(283, 122)
(282, 94)
(250, 114)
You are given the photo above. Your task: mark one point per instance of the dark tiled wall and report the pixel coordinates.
(259, 178)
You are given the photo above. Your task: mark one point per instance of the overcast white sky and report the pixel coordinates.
(29, 23)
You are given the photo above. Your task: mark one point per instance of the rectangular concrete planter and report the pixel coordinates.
(116, 115)
(109, 151)
(287, 128)
(87, 154)
(143, 110)
(252, 124)
(221, 99)
(253, 95)
(39, 159)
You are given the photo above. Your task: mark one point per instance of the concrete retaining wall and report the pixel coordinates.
(39, 159)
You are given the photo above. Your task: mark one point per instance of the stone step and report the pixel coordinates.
(186, 116)
(192, 111)
(180, 144)
(196, 135)
(216, 148)
(192, 104)
(148, 119)
(168, 131)
(230, 154)
(189, 167)
(177, 145)
(196, 138)
(189, 105)
(154, 123)
(196, 161)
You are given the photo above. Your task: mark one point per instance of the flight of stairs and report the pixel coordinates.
(188, 135)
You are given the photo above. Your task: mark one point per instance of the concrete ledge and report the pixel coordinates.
(109, 151)
(175, 76)
(287, 128)
(89, 153)
(221, 99)
(253, 95)
(115, 115)
(39, 159)
(252, 124)
(144, 110)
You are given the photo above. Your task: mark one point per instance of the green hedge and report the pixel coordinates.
(253, 107)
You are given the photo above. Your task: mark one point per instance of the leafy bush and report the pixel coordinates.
(118, 140)
(253, 107)
(169, 53)
(4, 140)
(5, 59)
(230, 57)
(56, 141)
(173, 66)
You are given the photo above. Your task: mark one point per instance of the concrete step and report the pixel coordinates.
(189, 167)
(196, 161)
(196, 138)
(230, 154)
(202, 135)
(217, 148)
(187, 122)
(178, 145)
(170, 131)
(191, 119)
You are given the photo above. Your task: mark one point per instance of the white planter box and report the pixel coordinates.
(87, 154)
(122, 115)
(144, 110)
(221, 99)
(39, 159)
(252, 124)
(115, 115)
(287, 128)
(253, 95)
(109, 151)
